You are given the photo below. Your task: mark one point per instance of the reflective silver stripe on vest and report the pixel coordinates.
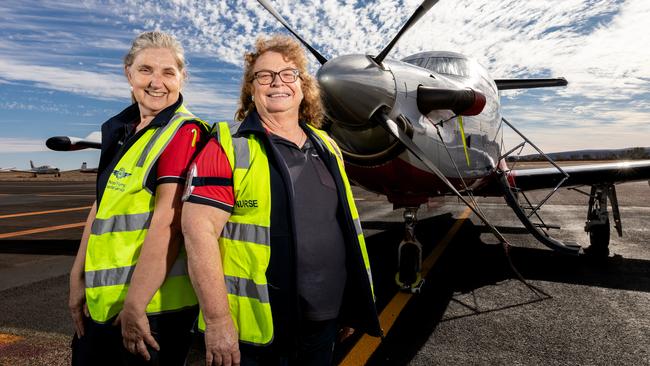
(247, 288)
(156, 135)
(149, 146)
(242, 152)
(216, 131)
(357, 226)
(122, 275)
(247, 232)
(169, 125)
(119, 223)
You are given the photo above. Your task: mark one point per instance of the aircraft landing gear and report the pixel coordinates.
(409, 256)
(597, 224)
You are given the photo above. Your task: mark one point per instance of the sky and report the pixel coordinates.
(61, 67)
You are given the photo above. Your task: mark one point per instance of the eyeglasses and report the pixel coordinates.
(266, 77)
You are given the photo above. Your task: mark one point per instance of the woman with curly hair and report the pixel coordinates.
(290, 268)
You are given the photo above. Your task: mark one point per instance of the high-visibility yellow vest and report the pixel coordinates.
(245, 243)
(120, 227)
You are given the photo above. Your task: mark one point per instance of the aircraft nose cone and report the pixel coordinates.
(353, 87)
(59, 143)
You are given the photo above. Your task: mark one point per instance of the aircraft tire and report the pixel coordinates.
(408, 265)
(599, 239)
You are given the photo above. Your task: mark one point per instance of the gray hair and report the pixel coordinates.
(156, 39)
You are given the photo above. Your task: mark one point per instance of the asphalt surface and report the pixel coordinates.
(473, 310)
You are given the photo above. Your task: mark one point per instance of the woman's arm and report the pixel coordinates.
(202, 226)
(158, 253)
(77, 297)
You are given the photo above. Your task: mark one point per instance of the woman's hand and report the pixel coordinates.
(344, 333)
(77, 302)
(221, 343)
(136, 334)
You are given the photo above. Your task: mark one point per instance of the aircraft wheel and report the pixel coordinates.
(409, 265)
(599, 239)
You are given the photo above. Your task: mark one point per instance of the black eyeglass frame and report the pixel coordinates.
(296, 75)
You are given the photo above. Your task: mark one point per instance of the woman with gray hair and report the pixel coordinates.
(131, 299)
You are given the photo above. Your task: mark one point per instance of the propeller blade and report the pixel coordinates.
(462, 135)
(277, 16)
(391, 127)
(419, 12)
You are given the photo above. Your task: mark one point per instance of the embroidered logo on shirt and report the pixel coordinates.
(119, 174)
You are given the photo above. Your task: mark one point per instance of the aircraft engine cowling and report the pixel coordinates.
(464, 102)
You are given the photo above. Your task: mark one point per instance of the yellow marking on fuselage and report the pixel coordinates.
(366, 346)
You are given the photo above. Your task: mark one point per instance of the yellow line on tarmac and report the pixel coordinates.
(41, 230)
(367, 345)
(64, 195)
(6, 338)
(45, 212)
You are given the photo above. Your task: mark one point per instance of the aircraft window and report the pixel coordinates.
(448, 65)
(416, 61)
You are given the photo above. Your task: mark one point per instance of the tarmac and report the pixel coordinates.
(472, 309)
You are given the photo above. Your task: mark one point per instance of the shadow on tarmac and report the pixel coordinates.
(45, 247)
(469, 264)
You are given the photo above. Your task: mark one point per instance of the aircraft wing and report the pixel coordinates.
(587, 174)
(507, 84)
(22, 171)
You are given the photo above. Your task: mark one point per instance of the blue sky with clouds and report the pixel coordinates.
(61, 61)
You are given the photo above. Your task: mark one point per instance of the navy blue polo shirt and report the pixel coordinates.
(320, 244)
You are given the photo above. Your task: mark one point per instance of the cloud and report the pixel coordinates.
(207, 99)
(100, 85)
(595, 44)
(570, 126)
(12, 145)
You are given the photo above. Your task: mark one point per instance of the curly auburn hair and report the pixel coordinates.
(311, 109)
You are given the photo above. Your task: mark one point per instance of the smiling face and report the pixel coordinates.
(279, 97)
(156, 80)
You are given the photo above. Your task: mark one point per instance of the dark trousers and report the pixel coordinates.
(102, 343)
(315, 348)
